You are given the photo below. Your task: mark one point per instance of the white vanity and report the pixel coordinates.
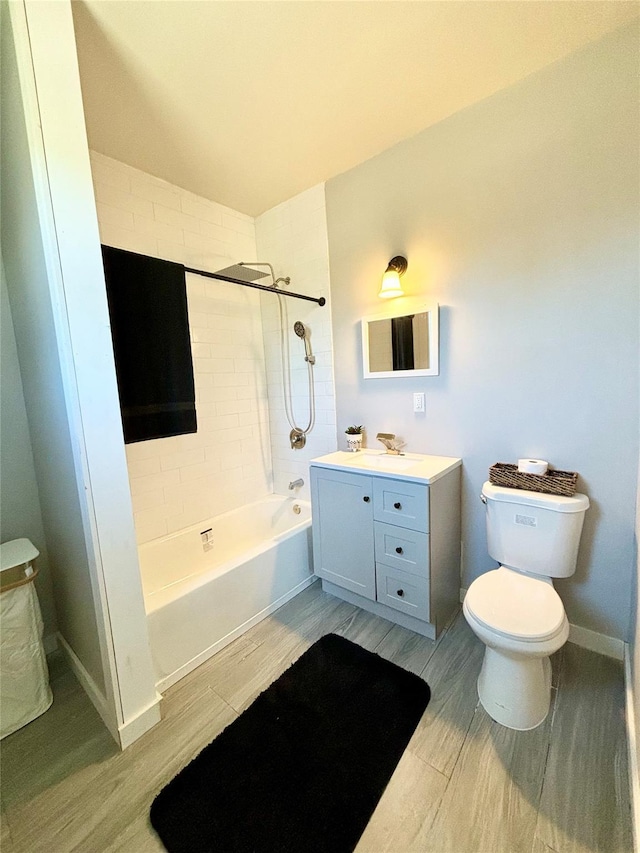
(386, 534)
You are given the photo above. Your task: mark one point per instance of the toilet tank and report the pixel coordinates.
(532, 531)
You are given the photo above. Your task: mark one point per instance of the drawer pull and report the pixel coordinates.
(400, 592)
(398, 505)
(366, 499)
(399, 550)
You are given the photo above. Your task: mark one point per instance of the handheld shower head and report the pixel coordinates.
(301, 331)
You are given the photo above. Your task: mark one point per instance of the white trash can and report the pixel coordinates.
(24, 677)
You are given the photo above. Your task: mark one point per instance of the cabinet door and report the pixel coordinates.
(343, 530)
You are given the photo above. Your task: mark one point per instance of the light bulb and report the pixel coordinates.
(390, 285)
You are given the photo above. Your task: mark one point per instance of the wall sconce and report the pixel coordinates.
(391, 286)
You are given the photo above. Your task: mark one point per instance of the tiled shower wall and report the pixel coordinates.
(293, 237)
(179, 481)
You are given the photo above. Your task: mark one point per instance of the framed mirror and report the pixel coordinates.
(401, 343)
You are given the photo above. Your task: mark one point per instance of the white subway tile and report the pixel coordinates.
(146, 530)
(196, 472)
(238, 407)
(142, 467)
(158, 229)
(204, 244)
(114, 216)
(213, 365)
(242, 226)
(147, 500)
(131, 241)
(199, 350)
(213, 231)
(199, 510)
(200, 209)
(230, 450)
(229, 379)
(154, 192)
(116, 197)
(145, 449)
(218, 423)
(152, 482)
(108, 171)
(182, 458)
(214, 394)
(169, 251)
(170, 216)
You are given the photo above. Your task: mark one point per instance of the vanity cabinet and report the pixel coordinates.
(386, 541)
(343, 542)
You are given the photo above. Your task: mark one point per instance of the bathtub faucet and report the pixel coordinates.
(295, 484)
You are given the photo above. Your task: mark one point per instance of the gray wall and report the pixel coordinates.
(519, 215)
(20, 515)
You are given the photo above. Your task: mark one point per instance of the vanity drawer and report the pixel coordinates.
(402, 548)
(403, 591)
(401, 504)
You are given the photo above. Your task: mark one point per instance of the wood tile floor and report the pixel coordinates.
(464, 785)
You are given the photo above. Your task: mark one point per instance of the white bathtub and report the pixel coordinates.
(199, 599)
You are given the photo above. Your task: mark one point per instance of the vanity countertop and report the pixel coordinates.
(416, 467)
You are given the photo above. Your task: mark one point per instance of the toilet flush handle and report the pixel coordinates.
(483, 499)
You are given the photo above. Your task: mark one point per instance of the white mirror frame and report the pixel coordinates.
(432, 310)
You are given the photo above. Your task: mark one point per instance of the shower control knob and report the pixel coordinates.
(399, 550)
(398, 505)
(400, 592)
(366, 499)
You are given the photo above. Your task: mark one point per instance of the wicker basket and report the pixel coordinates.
(551, 483)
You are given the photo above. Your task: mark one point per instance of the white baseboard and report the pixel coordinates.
(610, 647)
(126, 733)
(141, 723)
(90, 688)
(632, 741)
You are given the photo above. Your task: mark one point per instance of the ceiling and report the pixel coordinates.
(248, 102)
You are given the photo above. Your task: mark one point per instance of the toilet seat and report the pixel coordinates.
(515, 605)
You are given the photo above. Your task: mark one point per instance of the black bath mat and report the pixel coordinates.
(303, 768)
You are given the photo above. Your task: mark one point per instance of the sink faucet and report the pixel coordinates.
(392, 443)
(295, 484)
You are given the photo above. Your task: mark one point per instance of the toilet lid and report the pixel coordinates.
(515, 605)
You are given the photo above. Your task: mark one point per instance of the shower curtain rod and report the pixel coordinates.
(321, 301)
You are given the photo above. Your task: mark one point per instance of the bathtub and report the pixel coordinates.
(207, 584)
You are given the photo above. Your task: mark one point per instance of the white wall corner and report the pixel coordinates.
(146, 719)
(632, 743)
(130, 730)
(89, 686)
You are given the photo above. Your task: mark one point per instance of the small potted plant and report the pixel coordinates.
(354, 437)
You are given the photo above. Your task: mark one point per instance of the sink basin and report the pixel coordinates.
(387, 461)
(410, 466)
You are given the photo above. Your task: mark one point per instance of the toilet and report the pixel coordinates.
(515, 609)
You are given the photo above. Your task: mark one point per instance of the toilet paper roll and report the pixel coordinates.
(532, 466)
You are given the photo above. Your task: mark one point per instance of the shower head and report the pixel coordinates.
(242, 273)
(302, 332)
